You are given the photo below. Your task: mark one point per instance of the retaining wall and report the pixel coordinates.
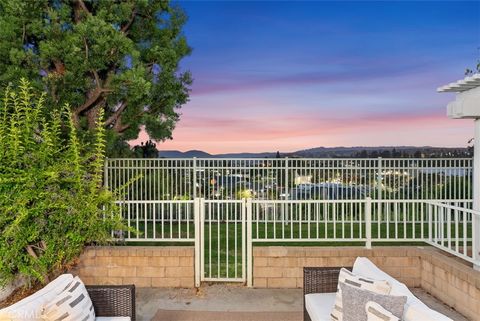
(452, 281)
(144, 266)
(449, 279)
(282, 267)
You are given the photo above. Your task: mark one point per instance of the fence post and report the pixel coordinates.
(475, 240)
(194, 177)
(105, 185)
(379, 186)
(249, 244)
(430, 223)
(105, 173)
(368, 222)
(198, 252)
(476, 197)
(287, 193)
(286, 174)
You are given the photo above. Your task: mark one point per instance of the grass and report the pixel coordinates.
(223, 242)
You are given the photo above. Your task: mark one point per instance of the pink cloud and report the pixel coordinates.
(289, 132)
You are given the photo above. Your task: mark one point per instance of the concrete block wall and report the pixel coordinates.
(452, 281)
(282, 267)
(149, 266)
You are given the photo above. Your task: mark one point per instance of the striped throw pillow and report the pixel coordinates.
(72, 304)
(375, 312)
(347, 277)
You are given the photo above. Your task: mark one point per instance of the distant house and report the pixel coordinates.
(302, 179)
(324, 191)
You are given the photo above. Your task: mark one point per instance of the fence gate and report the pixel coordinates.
(222, 240)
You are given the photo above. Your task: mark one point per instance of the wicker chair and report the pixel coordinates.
(319, 280)
(113, 300)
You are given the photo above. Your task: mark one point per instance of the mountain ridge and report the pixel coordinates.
(327, 152)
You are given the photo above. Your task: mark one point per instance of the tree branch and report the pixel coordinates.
(109, 76)
(123, 128)
(31, 252)
(94, 96)
(92, 114)
(59, 67)
(118, 127)
(41, 246)
(125, 28)
(23, 33)
(97, 78)
(114, 117)
(86, 48)
(93, 71)
(80, 6)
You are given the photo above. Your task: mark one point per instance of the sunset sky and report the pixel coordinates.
(292, 75)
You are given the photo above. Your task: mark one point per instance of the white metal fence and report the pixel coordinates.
(451, 229)
(291, 179)
(225, 206)
(167, 221)
(308, 220)
(343, 220)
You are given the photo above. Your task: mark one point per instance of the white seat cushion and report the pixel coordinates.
(365, 267)
(112, 319)
(319, 305)
(29, 309)
(415, 309)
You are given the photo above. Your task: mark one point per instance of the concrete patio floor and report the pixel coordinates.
(222, 297)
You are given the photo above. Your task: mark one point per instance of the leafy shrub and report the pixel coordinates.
(52, 202)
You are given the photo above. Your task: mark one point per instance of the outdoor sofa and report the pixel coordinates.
(320, 287)
(110, 302)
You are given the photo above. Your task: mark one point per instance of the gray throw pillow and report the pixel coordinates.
(354, 302)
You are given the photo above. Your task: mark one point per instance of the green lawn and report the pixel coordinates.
(223, 242)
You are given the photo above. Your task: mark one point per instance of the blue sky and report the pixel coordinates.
(290, 75)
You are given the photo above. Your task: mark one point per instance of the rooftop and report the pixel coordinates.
(462, 85)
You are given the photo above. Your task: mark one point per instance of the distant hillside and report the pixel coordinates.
(387, 151)
(202, 154)
(331, 152)
(187, 154)
(247, 155)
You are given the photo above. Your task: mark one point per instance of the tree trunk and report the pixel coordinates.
(92, 115)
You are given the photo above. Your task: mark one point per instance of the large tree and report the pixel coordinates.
(120, 56)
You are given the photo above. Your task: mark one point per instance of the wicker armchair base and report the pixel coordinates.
(319, 280)
(113, 300)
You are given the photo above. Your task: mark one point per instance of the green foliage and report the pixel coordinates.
(52, 202)
(470, 147)
(118, 56)
(244, 193)
(146, 150)
(471, 72)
